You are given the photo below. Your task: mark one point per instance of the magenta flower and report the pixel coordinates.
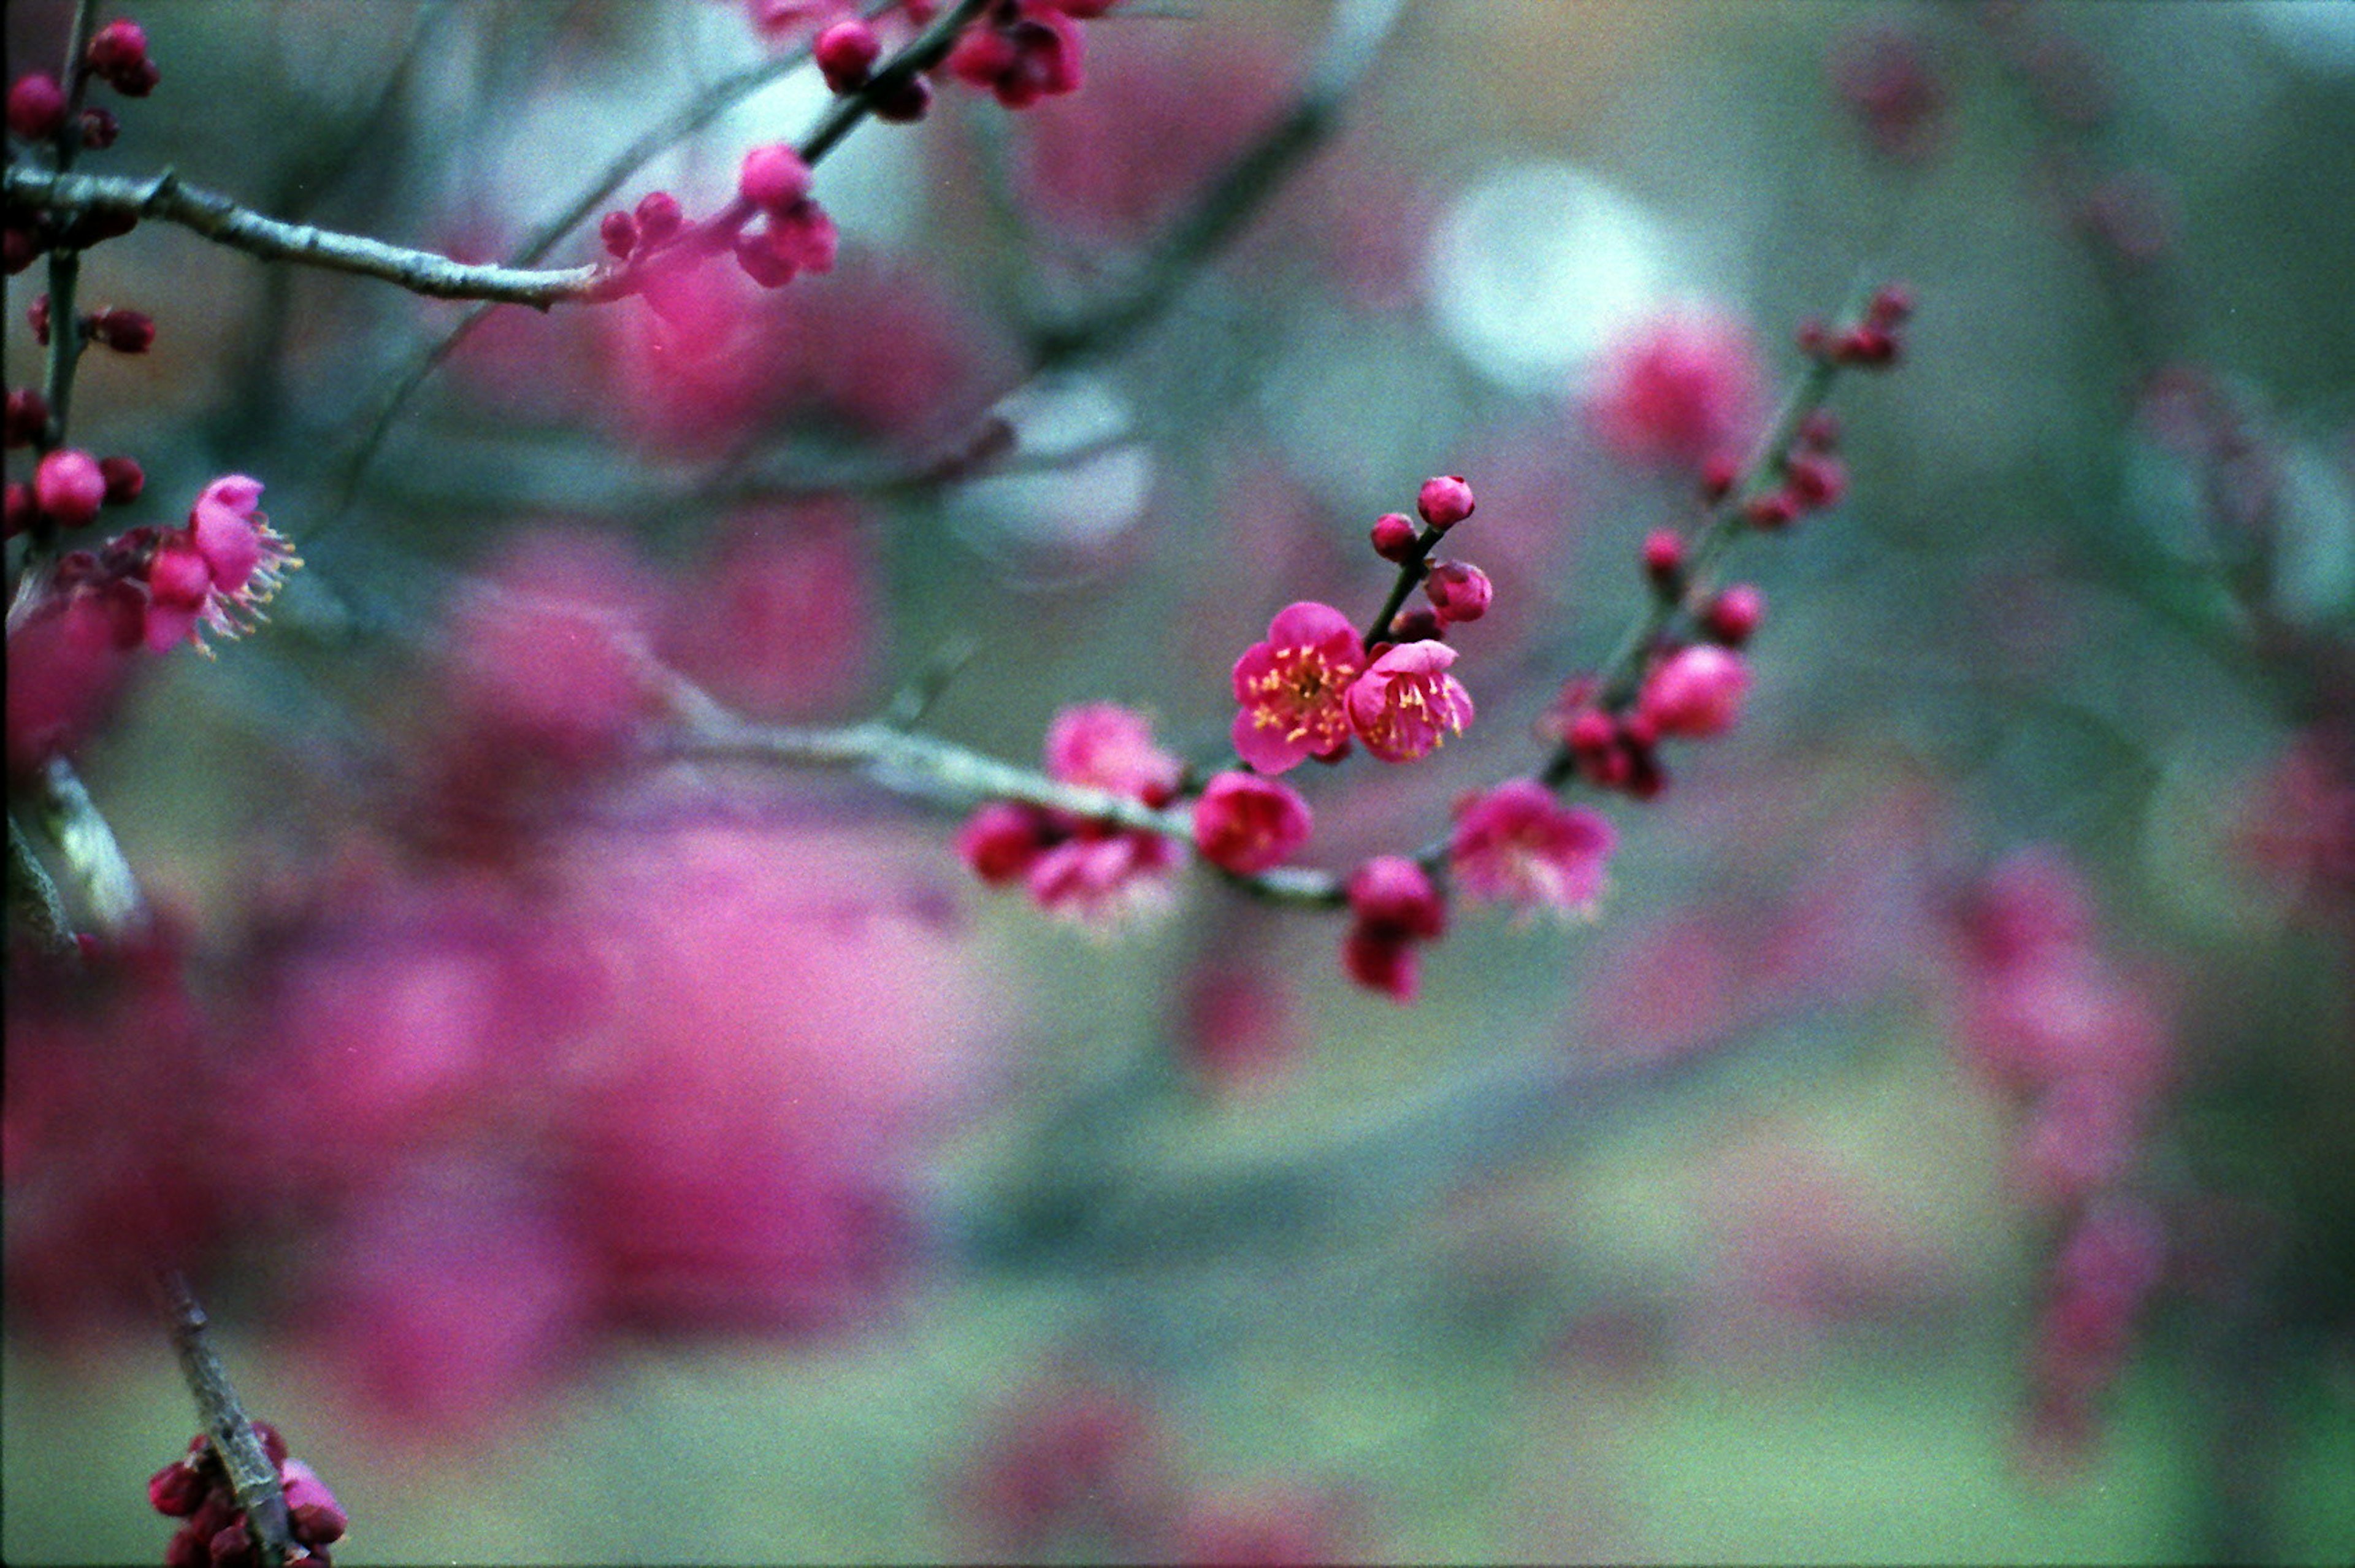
(1247, 823)
(1292, 687)
(1695, 691)
(1521, 845)
(1678, 391)
(1406, 704)
(217, 574)
(1395, 906)
(1105, 746)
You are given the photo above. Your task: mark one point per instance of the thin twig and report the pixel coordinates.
(251, 1474)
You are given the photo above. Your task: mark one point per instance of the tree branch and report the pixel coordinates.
(251, 1473)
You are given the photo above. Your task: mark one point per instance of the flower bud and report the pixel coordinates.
(773, 177)
(846, 54)
(1733, 615)
(70, 487)
(124, 479)
(98, 128)
(1444, 500)
(1416, 623)
(1664, 558)
(118, 54)
(619, 232)
(125, 330)
(28, 416)
(36, 106)
(1695, 692)
(659, 216)
(1458, 590)
(20, 509)
(1393, 536)
(905, 102)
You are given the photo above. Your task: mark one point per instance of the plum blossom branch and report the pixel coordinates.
(223, 220)
(1353, 42)
(87, 843)
(250, 1470)
(33, 893)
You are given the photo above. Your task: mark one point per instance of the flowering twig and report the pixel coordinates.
(222, 219)
(1353, 42)
(250, 1472)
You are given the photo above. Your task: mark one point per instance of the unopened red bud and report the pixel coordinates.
(846, 54)
(36, 316)
(1637, 731)
(28, 416)
(1892, 305)
(118, 50)
(1393, 536)
(1444, 500)
(773, 177)
(1718, 473)
(176, 1490)
(1458, 591)
(1417, 624)
(36, 106)
(1820, 430)
(70, 487)
(1815, 481)
(904, 102)
(273, 1442)
(1733, 615)
(659, 216)
(20, 509)
(1591, 733)
(1663, 557)
(1866, 345)
(1774, 509)
(232, 1546)
(125, 330)
(619, 232)
(761, 264)
(98, 128)
(124, 479)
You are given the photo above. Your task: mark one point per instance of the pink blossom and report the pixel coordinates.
(243, 562)
(1444, 501)
(1394, 906)
(1294, 689)
(1695, 691)
(1678, 389)
(1099, 876)
(1247, 823)
(1105, 746)
(1074, 1462)
(773, 177)
(1022, 51)
(1003, 840)
(1406, 704)
(1521, 845)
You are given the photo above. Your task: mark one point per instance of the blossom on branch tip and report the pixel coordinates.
(1444, 500)
(1519, 844)
(1406, 704)
(1293, 687)
(1246, 824)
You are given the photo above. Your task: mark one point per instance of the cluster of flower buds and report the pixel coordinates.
(69, 486)
(1812, 477)
(1872, 342)
(215, 1533)
(1024, 51)
(40, 110)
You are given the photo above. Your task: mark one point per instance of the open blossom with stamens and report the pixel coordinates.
(1519, 843)
(1406, 704)
(1292, 687)
(217, 574)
